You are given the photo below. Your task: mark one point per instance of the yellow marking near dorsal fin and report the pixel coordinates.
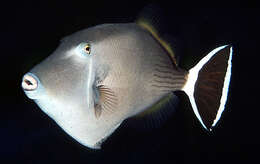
(147, 26)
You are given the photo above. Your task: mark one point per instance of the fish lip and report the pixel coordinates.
(38, 92)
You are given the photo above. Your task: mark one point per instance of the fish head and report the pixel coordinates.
(64, 86)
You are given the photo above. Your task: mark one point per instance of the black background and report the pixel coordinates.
(31, 30)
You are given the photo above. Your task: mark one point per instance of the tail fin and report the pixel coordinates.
(207, 85)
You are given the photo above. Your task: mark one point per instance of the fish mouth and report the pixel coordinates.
(29, 82)
(32, 86)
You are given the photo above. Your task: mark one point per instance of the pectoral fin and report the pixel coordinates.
(107, 101)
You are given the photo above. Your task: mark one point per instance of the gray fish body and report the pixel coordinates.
(125, 73)
(125, 58)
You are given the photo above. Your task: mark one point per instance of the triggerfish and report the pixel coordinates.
(102, 75)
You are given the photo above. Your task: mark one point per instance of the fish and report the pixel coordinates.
(100, 76)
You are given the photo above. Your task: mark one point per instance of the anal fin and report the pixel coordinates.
(157, 115)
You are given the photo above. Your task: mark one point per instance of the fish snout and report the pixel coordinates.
(29, 82)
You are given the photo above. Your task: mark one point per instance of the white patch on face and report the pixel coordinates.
(76, 52)
(70, 53)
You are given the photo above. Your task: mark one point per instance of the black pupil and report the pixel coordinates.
(87, 49)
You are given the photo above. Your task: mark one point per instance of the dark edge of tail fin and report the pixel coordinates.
(207, 85)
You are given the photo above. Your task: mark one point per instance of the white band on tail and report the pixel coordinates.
(193, 76)
(225, 89)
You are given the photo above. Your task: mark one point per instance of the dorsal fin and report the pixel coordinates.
(150, 21)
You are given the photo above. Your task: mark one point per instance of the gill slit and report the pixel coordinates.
(90, 74)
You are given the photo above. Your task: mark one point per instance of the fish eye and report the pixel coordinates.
(84, 49)
(87, 48)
